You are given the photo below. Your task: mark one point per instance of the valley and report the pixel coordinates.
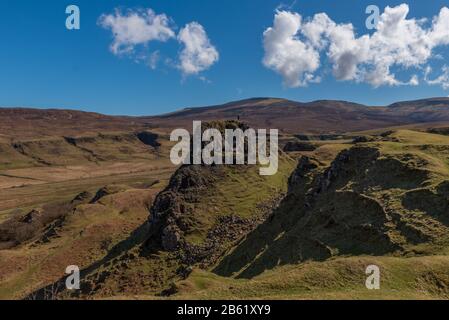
(356, 186)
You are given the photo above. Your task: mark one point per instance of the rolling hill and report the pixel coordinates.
(324, 116)
(357, 185)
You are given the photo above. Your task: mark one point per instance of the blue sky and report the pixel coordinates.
(42, 64)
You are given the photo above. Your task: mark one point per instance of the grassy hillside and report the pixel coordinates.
(382, 201)
(323, 116)
(423, 277)
(219, 206)
(78, 234)
(112, 203)
(385, 197)
(221, 211)
(73, 201)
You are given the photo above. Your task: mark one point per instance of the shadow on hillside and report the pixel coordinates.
(51, 291)
(264, 236)
(301, 229)
(343, 223)
(433, 204)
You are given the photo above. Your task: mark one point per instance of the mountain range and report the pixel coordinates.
(323, 116)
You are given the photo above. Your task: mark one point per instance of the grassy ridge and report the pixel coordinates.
(340, 278)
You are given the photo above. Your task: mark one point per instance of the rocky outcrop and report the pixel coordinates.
(105, 191)
(167, 220)
(305, 166)
(347, 163)
(34, 216)
(364, 202)
(294, 146)
(82, 197)
(174, 216)
(227, 230)
(442, 131)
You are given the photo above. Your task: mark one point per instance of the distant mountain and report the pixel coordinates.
(425, 110)
(431, 102)
(31, 123)
(323, 116)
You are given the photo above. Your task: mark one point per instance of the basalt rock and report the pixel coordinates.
(185, 188)
(32, 217)
(363, 203)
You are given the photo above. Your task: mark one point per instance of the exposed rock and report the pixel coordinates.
(361, 139)
(293, 146)
(171, 237)
(167, 215)
(107, 190)
(442, 131)
(363, 203)
(341, 166)
(82, 197)
(305, 166)
(32, 217)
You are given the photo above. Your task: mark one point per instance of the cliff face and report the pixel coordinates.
(172, 214)
(371, 200)
(204, 209)
(198, 216)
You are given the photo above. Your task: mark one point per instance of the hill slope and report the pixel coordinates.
(324, 116)
(378, 196)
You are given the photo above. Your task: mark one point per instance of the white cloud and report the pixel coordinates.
(442, 80)
(286, 54)
(293, 47)
(135, 28)
(439, 34)
(414, 81)
(198, 53)
(153, 60)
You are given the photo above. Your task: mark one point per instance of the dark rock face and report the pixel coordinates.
(194, 177)
(105, 191)
(172, 217)
(32, 217)
(293, 146)
(227, 229)
(360, 139)
(347, 164)
(171, 237)
(305, 166)
(350, 207)
(149, 138)
(82, 197)
(186, 186)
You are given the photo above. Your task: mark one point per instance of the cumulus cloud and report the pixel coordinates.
(293, 47)
(286, 54)
(134, 28)
(198, 53)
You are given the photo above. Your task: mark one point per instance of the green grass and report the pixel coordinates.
(340, 278)
(399, 192)
(239, 193)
